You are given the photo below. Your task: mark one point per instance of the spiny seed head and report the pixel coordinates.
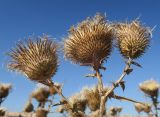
(143, 107)
(90, 42)
(41, 94)
(139, 107)
(36, 60)
(4, 90)
(150, 87)
(78, 102)
(41, 112)
(132, 39)
(28, 107)
(92, 97)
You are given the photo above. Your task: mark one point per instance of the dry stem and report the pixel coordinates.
(116, 84)
(127, 99)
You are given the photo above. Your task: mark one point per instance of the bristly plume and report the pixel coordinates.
(37, 60)
(90, 42)
(132, 39)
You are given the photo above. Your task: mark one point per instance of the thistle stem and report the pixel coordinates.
(100, 88)
(154, 100)
(100, 82)
(127, 99)
(63, 98)
(116, 84)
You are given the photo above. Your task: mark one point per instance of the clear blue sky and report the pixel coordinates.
(21, 18)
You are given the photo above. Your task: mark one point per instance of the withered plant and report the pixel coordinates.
(151, 89)
(90, 44)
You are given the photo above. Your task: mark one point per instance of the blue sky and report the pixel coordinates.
(22, 18)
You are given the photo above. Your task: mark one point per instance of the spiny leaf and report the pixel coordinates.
(122, 84)
(136, 64)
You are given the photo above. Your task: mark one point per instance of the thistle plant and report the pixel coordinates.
(37, 59)
(151, 89)
(90, 44)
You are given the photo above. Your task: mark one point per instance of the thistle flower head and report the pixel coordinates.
(150, 87)
(92, 97)
(90, 42)
(132, 39)
(4, 90)
(36, 60)
(41, 94)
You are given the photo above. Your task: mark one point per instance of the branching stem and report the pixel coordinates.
(116, 84)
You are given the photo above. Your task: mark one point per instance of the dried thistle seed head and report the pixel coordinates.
(150, 87)
(28, 107)
(4, 90)
(78, 102)
(41, 94)
(93, 98)
(36, 60)
(139, 107)
(132, 39)
(41, 112)
(90, 42)
(147, 108)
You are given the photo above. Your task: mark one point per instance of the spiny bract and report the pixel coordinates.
(90, 42)
(132, 39)
(37, 60)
